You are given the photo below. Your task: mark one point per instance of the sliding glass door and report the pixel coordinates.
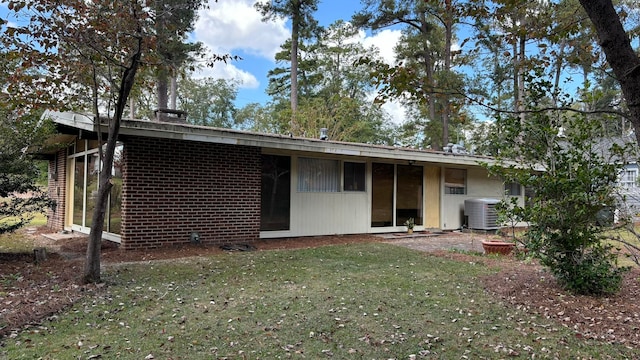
(396, 195)
(409, 194)
(382, 185)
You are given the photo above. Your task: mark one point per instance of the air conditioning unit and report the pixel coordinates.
(481, 214)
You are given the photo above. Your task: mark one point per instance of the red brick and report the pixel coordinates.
(173, 188)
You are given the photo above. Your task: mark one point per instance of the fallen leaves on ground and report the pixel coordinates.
(32, 292)
(614, 319)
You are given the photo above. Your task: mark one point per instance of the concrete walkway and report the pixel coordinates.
(420, 240)
(464, 241)
(54, 242)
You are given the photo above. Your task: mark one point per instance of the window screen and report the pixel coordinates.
(275, 206)
(512, 188)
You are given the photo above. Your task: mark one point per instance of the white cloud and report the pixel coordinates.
(393, 108)
(385, 41)
(229, 71)
(236, 25)
(396, 111)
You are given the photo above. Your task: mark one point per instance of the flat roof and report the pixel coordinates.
(188, 132)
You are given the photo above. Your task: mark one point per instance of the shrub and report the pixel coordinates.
(581, 264)
(573, 183)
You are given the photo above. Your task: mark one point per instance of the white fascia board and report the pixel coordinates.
(280, 142)
(76, 120)
(212, 139)
(188, 132)
(342, 151)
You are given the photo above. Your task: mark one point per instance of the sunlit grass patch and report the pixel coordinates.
(39, 219)
(16, 242)
(628, 251)
(19, 240)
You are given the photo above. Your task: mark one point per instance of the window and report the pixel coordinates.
(629, 178)
(512, 188)
(113, 220)
(382, 187)
(318, 175)
(85, 186)
(455, 181)
(409, 194)
(275, 206)
(354, 175)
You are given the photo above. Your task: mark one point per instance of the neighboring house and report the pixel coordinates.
(630, 191)
(177, 183)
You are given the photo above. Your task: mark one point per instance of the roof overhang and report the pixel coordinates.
(188, 132)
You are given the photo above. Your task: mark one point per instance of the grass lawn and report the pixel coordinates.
(16, 242)
(628, 253)
(369, 301)
(19, 241)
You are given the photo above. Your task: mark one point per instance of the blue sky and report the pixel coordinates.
(235, 27)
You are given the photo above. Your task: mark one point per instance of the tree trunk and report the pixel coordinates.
(521, 92)
(132, 108)
(518, 79)
(516, 76)
(92, 265)
(174, 93)
(620, 55)
(295, 36)
(428, 68)
(162, 89)
(446, 107)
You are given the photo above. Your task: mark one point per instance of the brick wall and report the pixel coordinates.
(173, 188)
(57, 188)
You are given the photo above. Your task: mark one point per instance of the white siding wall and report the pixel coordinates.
(328, 213)
(479, 185)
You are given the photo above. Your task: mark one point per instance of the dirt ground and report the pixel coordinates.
(31, 292)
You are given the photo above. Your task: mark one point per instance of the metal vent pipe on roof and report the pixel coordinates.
(323, 134)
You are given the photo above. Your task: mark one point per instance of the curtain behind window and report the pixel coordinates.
(318, 175)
